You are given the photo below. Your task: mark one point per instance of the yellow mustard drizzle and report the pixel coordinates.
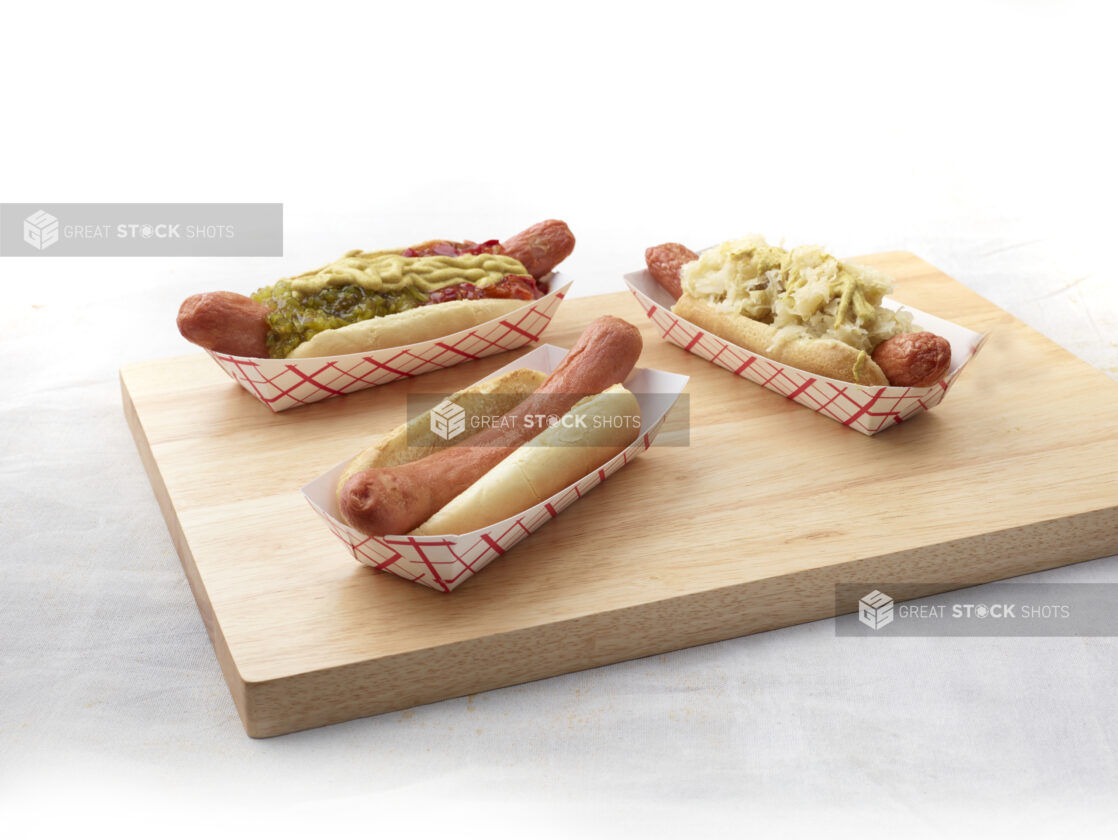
(388, 271)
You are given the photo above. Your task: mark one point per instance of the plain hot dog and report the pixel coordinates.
(369, 300)
(398, 499)
(801, 307)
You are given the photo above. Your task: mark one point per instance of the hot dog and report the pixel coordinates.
(370, 300)
(470, 481)
(665, 263)
(801, 307)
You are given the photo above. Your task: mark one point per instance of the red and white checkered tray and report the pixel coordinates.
(867, 409)
(284, 383)
(444, 562)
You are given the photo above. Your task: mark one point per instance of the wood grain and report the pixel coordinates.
(746, 529)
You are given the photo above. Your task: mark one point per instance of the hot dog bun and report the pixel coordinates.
(822, 356)
(421, 324)
(554, 459)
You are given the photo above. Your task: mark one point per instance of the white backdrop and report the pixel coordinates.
(978, 135)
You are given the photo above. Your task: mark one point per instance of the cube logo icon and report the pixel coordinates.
(448, 420)
(875, 610)
(40, 230)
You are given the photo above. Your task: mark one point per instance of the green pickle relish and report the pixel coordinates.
(296, 317)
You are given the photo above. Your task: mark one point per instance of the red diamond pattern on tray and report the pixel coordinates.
(284, 383)
(868, 410)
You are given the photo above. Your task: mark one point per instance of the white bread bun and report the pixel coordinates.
(420, 324)
(822, 356)
(414, 440)
(554, 459)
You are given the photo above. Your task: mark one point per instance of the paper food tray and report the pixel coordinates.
(284, 383)
(867, 409)
(444, 562)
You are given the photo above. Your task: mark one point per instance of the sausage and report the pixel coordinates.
(396, 500)
(913, 360)
(665, 261)
(227, 322)
(541, 247)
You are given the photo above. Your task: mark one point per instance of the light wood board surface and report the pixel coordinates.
(746, 529)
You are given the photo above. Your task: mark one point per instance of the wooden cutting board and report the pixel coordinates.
(748, 528)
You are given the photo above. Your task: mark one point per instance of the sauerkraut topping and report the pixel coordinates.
(803, 292)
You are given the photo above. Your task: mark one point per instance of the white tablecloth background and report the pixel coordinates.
(976, 136)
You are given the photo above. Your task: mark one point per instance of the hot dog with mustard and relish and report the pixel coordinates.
(368, 300)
